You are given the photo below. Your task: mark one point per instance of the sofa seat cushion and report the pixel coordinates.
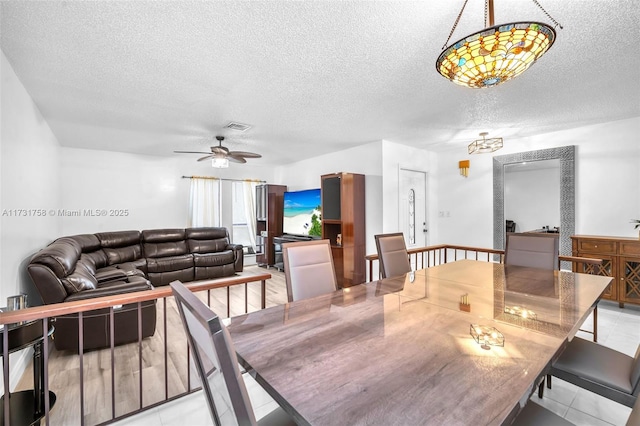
(214, 259)
(110, 273)
(140, 265)
(168, 264)
(132, 284)
(212, 272)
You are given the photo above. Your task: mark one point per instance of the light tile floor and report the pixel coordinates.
(617, 328)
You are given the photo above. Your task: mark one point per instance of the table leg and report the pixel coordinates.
(264, 293)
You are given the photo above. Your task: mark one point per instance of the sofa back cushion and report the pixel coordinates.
(82, 278)
(60, 256)
(121, 246)
(92, 248)
(207, 240)
(163, 243)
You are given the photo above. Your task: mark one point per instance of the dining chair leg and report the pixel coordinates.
(541, 388)
(549, 381)
(595, 324)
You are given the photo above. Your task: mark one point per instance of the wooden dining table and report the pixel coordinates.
(399, 351)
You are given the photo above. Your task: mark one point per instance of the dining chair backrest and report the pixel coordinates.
(635, 372)
(392, 254)
(634, 417)
(308, 269)
(215, 360)
(535, 250)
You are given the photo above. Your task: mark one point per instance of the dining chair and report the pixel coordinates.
(392, 255)
(634, 417)
(540, 250)
(216, 363)
(599, 369)
(533, 414)
(535, 250)
(308, 269)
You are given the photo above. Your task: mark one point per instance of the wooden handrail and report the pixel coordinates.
(417, 250)
(67, 308)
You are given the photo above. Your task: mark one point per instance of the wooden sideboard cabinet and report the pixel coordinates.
(620, 260)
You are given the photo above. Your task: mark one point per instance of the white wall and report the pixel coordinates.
(28, 189)
(29, 182)
(136, 191)
(607, 182)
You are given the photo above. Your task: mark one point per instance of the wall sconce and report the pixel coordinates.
(464, 167)
(486, 336)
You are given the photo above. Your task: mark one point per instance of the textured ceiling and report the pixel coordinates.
(311, 77)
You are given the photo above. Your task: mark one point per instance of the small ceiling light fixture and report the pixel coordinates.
(496, 54)
(220, 161)
(484, 145)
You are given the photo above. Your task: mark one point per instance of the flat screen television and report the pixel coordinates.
(302, 215)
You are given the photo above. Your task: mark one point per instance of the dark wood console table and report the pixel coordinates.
(26, 407)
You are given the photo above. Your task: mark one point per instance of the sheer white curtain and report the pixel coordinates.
(204, 202)
(249, 193)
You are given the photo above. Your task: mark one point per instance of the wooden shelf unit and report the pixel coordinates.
(269, 216)
(620, 260)
(343, 224)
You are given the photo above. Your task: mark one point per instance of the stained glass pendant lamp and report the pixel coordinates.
(496, 54)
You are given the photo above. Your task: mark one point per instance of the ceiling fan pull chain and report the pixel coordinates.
(455, 24)
(556, 23)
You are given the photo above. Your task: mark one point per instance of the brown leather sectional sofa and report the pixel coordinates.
(93, 265)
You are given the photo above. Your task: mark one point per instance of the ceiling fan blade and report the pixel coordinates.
(206, 157)
(234, 159)
(245, 154)
(191, 152)
(220, 150)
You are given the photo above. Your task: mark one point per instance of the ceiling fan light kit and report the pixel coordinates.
(496, 54)
(219, 162)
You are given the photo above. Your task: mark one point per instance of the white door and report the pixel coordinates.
(413, 207)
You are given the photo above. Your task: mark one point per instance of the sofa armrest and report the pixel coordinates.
(238, 254)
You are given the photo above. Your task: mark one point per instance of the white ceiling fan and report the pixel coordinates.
(221, 156)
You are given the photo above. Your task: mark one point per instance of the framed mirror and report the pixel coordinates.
(566, 159)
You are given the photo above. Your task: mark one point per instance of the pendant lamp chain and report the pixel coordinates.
(488, 17)
(557, 24)
(455, 24)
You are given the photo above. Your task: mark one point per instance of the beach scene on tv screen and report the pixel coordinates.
(302, 213)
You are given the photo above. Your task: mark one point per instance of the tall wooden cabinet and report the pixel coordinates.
(620, 260)
(343, 224)
(269, 216)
